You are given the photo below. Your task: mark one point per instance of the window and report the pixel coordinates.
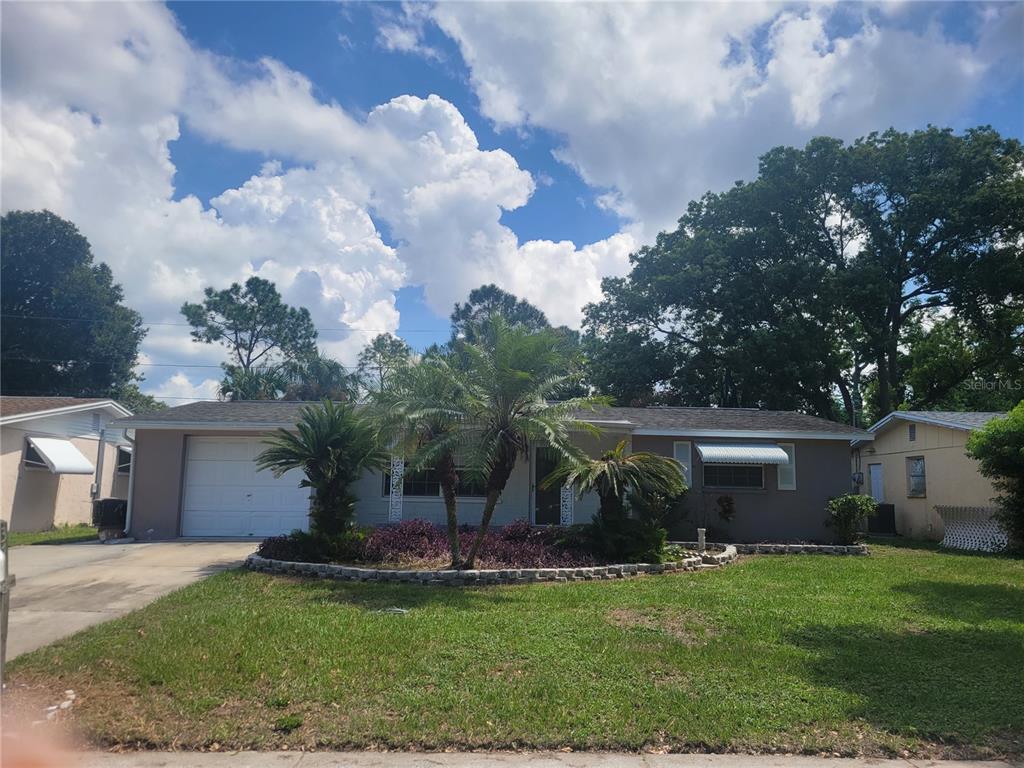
(681, 452)
(733, 476)
(124, 461)
(916, 485)
(32, 459)
(912, 432)
(425, 482)
(96, 423)
(787, 472)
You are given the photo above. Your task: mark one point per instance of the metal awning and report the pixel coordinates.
(61, 456)
(752, 453)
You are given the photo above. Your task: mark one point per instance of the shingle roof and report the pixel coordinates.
(956, 419)
(255, 412)
(276, 412)
(723, 419)
(17, 405)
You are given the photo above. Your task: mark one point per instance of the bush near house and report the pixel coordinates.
(999, 449)
(846, 513)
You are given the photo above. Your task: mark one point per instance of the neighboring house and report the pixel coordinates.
(56, 455)
(918, 461)
(195, 474)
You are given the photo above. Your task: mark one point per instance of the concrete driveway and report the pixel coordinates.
(64, 588)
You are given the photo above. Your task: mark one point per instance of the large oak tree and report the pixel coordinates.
(65, 329)
(811, 280)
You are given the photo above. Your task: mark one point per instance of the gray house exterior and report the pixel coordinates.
(193, 473)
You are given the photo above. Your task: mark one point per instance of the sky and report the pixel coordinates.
(379, 161)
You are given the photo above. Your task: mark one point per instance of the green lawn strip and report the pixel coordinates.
(905, 649)
(64, 534)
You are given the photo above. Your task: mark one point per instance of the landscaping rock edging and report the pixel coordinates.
(787, 549)
(452, 578)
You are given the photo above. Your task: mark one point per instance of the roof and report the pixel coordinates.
(14, 409)
(242, 414)
(965, 420)
(697, 422)
(662, 420)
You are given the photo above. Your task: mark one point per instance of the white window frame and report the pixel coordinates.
(688, 465)
(33, 464)
(790, 449)
(924, 478)
(117, 462)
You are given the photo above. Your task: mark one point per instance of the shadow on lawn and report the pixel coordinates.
(959, 686)
(374, 596)
(972, 603)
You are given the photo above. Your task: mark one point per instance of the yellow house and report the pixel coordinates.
(918, 461)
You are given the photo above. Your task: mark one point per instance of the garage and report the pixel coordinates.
(226, 495)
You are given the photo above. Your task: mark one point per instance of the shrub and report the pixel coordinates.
(627, 540)
(999, 449)
(846, 513)
(659, 509)
(726, 507)
(302, 547)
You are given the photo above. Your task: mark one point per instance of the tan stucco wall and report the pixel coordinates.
(36, 499)
(951, 477)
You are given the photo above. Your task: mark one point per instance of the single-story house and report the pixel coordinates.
(194, 473)
(918, 461)
(56, 455)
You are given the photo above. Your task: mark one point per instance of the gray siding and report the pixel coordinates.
(768, 514)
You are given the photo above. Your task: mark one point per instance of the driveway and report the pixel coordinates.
(64, 588)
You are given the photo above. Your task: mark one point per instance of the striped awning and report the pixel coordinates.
(732, 453)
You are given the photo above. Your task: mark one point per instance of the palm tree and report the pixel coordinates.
(333, 445)
(421, 413)
(318, 377)
(616, 473)
(507, 379)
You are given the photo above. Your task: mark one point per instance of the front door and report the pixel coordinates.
(875, 476)
(546, 502)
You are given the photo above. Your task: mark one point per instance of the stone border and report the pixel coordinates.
(498, 576)
(786, 549)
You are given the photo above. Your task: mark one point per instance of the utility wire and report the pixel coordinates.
(187, 325)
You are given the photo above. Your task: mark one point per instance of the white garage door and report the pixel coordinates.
(225, 494)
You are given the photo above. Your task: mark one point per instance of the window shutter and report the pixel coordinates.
(787, 472)
(681, 453)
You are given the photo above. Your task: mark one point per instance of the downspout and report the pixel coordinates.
(131, 484)
(97, 484)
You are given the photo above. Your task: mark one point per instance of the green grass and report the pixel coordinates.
(63, 534)
(908, 649)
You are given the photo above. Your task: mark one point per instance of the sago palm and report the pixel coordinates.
(507, 380)
(617, 473)
(333, 445)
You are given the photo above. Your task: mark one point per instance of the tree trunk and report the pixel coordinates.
(884, 394)
(844, 390)
(495, 485)
(445, 468)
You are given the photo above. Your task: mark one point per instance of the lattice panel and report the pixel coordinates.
(566, 502)
(972, 528)
(395, 501)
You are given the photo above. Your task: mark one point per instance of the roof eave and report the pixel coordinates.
(13, 419)
(919, 419)
(754, 433)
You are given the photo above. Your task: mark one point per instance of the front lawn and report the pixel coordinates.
(63, 534)
(905, 649)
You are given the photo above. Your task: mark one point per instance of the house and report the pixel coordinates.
(56, 455)
(194, 473)
(918, 461)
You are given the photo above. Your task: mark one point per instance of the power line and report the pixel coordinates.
(151, 365)
(186, 325)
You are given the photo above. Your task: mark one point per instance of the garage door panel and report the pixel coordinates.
(226, 495)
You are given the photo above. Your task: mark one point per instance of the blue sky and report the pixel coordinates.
(377, 161)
